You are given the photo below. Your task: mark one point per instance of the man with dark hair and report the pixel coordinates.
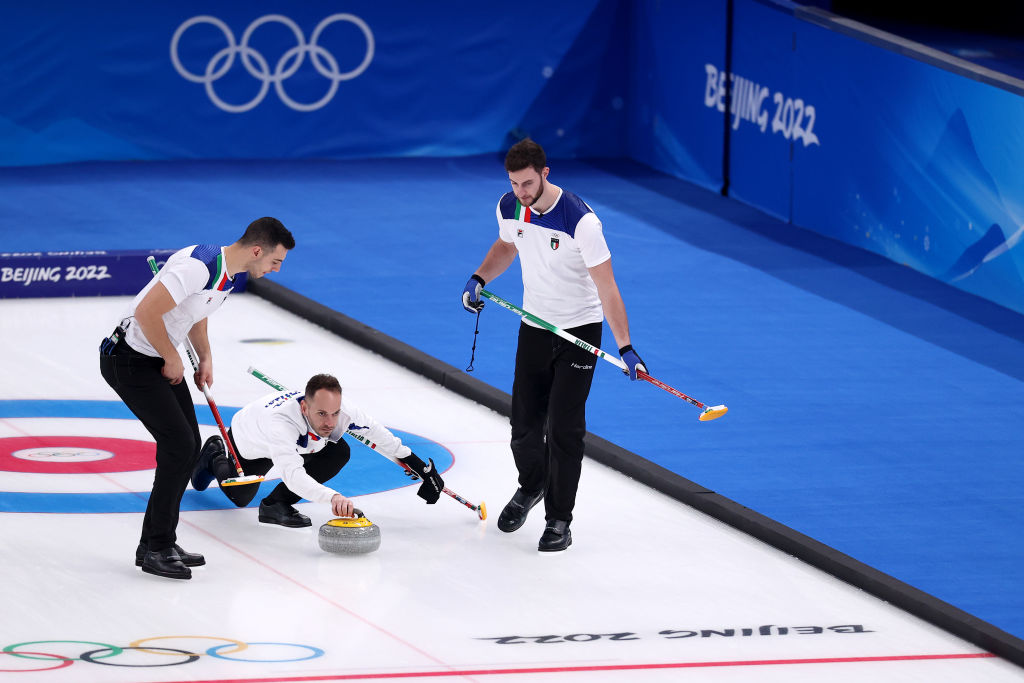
(140, 361)
(299, 434)
(267, 232)
(567, 281)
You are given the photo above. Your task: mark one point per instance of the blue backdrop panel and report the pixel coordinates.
(850, 137)
(917, 163)
(182, 80)
(581, 111)
(768, 109)
(674, 120)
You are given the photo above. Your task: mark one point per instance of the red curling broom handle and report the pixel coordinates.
(672, 390)
(706, 413)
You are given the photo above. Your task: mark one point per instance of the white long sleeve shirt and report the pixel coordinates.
(274, 427)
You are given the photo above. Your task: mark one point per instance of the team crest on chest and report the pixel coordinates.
(519, 232)
(554, 244)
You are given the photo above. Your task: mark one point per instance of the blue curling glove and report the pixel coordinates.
(632, 360)
(471, 300)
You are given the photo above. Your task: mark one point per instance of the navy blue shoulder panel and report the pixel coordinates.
(508, 205)
(207, 253)
(566, 215)
(574, 209)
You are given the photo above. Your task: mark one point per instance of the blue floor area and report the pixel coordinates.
(871, 408)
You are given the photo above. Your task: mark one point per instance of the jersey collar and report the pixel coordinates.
(558, 198)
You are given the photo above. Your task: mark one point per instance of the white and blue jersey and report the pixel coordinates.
(197, 279)
(555, 250)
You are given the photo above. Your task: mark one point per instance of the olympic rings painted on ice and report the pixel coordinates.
(65, 661)
(115, 650)
(88, 657)
(315, 650)
(107, 651)
(256, 64)
(239, 645)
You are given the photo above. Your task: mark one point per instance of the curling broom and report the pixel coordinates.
(706, 412)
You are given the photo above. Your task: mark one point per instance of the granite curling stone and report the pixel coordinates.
(349, 535)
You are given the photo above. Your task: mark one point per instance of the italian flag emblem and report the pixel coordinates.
(554, 244)
(523, 213)
(221, 279)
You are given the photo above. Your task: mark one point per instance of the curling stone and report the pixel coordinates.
(349, 535)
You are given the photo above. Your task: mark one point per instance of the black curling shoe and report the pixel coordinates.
(188, 559)
(283, 514)
(515, 512)
(202, 475)
(165, 563)
(556, 537)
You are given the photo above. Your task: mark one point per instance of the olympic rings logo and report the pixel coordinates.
(172, 656)
(257, 66)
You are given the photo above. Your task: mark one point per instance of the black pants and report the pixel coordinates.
(549, 401)
(322, 466)
(167, 412)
